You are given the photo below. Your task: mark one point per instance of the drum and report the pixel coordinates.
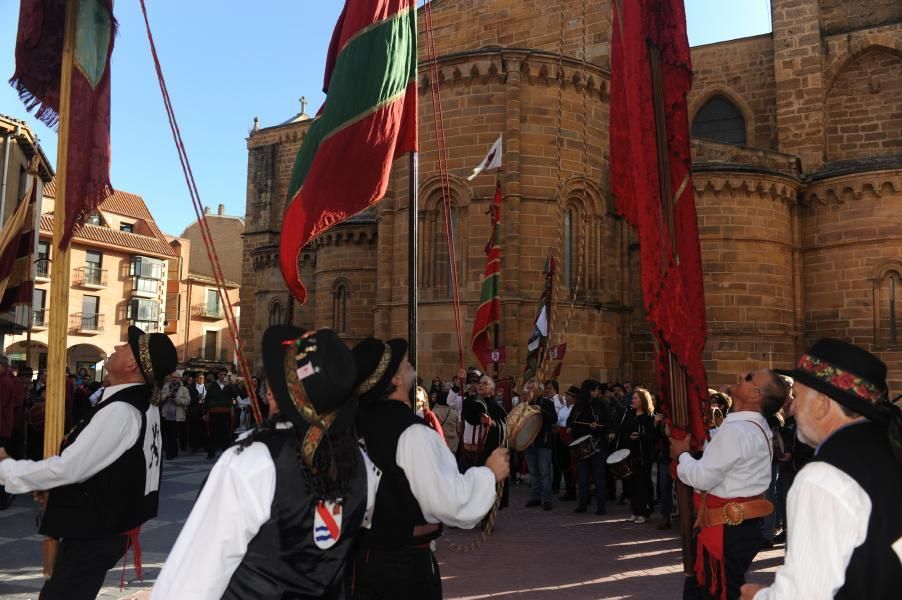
(35, 416)
(619, 464)
(524, 422)
(583, 448)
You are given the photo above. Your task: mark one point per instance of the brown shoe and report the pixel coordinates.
(664, 524)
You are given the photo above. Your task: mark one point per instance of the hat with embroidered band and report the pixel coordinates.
(474, 375)
(377, 362)
(155, 354)
(574, 392)
(311, 375)
(850, 375)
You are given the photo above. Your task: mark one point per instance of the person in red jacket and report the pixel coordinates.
(7, 416)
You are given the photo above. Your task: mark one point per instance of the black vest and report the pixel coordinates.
(397, 511)
(283, 560)
(112, 501)
(862, 451)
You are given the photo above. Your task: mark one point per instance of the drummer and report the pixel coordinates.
(589, 418)
(562, 439)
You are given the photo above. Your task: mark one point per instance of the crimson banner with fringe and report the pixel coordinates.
(650, 76)
(16, 249)
(39, 59)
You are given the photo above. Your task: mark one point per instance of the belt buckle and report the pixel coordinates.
(730, 511)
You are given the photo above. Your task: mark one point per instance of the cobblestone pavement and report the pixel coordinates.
(532, 554)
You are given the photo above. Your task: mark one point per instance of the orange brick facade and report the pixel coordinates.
(798, 226)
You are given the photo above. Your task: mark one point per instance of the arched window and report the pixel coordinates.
(435, 266)
(886, 308)
(340, 294)
(276, 313)
(568, 270)
(721, 121)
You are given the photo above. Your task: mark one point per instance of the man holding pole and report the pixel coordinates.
(105, 483)
(730, 479)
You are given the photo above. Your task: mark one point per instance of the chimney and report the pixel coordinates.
(221, 210)
(206, 210)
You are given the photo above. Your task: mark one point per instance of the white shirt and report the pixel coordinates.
(443, 493)
(828, 514)
(110, 433)
(455, 400)
(201, 390)
(558, 403)
(232, 507)
(736, 462)
(563, 414)
(96, 396)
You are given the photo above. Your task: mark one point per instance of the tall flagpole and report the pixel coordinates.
(55, 406)
(413, 214)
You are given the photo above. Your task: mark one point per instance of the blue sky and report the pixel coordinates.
(224, 66)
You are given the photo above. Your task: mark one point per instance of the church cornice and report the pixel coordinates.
(539, 68)
(853, 187)
(774, 186)
(347, 236)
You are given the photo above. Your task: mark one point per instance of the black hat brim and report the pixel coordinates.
(398, 352)
(273, 351)
(134, 334)
(851, 401)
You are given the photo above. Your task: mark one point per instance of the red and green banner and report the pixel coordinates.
(489, 312)
(16, 248)
(538, 339)
(369, 119)
(39, 60)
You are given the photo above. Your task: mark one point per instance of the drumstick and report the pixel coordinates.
(585, 423)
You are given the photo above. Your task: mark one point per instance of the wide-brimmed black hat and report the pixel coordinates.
(850, 375)
(574, 391)
(474, 375)
(155, 354)
(311, 375)
(377, 362)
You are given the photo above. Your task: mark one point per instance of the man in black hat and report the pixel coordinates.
(730, 479)
(418, 484)
(845, 533)
(279, 511)
(105, 483)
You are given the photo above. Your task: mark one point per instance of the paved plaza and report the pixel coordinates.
(532, 555)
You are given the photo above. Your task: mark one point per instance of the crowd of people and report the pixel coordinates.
(356, 469)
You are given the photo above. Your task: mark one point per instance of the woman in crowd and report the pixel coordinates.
(637, 433)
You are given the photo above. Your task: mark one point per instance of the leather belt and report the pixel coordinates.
(427, 529)
(733, 513)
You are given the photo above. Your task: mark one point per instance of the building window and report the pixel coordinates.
(340, 295)
(90, 313)
(568, 248)
(721, 121)
(438, 268)
(38, 301)
(42, 264)
(126, 227)
(93, 262)
(146, 274)
(93, 219)
(886, 313)
(276, 313)
(142, 309)
(213, 305)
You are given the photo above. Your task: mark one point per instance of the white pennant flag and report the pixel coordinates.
(492, 160)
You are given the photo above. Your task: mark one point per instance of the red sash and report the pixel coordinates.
(710, 570)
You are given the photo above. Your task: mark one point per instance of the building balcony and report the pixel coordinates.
(42, 269)
(90, 277)
(207, 311)
(39, 318)
(86, 324)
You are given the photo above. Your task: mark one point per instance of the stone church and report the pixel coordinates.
(797, 151)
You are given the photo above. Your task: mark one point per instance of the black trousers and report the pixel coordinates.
(81, 566)
(741, 544)
(560, 467)
(171, 438)
(397, 574)
(220, 436)
(640, 490)
(595, 466)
